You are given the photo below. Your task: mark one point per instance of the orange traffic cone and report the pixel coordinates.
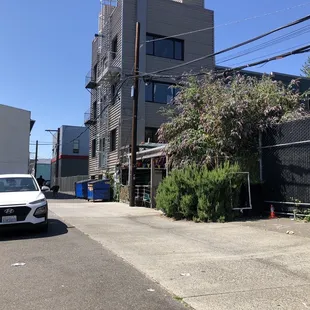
(272, 213)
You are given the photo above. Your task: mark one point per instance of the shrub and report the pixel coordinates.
(199, 193)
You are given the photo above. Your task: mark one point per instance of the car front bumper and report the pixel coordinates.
(22, 215)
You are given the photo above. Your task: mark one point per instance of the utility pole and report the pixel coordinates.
(52, 131)
(134, 118)
(36, 159)
(57, 153)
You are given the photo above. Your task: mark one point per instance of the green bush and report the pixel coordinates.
(199, 193)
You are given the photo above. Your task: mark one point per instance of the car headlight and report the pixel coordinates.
(40, 212)
(37, 201)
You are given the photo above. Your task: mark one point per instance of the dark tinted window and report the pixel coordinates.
(149, 92)
(159, 92)
(149, 45)
(93, 148)
(114, 47)
(164, 48)
(113, 140)
(178, 50)
(162, 93)
(95, 110)
(167, 48)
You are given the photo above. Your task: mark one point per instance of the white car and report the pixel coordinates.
(22, 202)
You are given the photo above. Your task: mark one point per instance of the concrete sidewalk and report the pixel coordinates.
(209, 266)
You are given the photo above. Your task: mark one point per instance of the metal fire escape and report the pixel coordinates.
(101, 79)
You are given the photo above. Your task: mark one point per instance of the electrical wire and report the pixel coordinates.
(270, 54)
(227, 24)
(296, 22)
(219, 73)
(285, 37)
(302, 50)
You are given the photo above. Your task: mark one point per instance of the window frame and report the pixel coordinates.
(76, 150)
(102, 154)
(95, 107)
(114, 47)
(113, 144)
(153, 92)
(157, 36)
(93, 148)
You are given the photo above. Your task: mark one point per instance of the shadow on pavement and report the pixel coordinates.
(50, 196)
(56, 228)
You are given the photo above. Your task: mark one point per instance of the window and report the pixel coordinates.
(11, 185)
(95, 72)
(94, 110)
(93, 148)
(76, 146)
(151, 135)
(113, 140)
(114, 92)
(160, 92)
(114, 47)
(167, 48)
(102, 153)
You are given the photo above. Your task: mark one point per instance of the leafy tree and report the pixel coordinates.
(215, 118)
(306, 68)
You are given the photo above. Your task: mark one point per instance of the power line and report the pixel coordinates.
(296, 22)
(285, 37)
(227, 24)
(270, 54)
(301, 50)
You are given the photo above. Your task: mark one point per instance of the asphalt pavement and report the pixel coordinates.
(218, 266)
(65, 270)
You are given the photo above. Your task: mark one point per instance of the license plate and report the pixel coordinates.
(9, 219)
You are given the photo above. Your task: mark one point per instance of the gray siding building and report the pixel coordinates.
(110, 115)
(73, 152)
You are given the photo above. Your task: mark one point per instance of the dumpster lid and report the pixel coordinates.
(98, 181)
(83, 181)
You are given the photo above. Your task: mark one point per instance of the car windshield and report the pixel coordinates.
(11, 184)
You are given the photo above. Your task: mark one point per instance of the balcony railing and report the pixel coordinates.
(108, 66)
(89, 118)
(90, 79)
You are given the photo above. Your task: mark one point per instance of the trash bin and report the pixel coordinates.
(81, 189)
(99, 190)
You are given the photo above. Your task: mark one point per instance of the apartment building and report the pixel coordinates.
(110, 115)
(15, 128)
(70, 157)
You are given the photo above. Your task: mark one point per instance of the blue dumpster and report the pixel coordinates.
(99, 190)
(81, 190)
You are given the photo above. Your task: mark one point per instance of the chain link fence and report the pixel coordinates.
(286, 164)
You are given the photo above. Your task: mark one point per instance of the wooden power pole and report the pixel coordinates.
(36, 159)
(134, 118)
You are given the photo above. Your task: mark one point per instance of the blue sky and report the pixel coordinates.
(46, 47)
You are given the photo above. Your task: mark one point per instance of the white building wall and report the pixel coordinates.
(14, 140)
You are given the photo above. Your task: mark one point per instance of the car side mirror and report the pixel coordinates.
(45, 189)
